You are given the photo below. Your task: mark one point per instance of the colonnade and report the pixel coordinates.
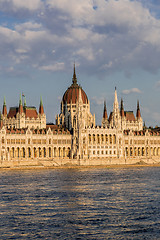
(38, 152)
(102, 139)
(142, 151)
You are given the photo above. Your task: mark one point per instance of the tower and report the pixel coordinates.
(138, 115)
(42, 116)
(41, 109)
(105, 116)
(4, 112)
(139, 118)
(122, 109)
(20, 110)
(116, 119)
(75, 95)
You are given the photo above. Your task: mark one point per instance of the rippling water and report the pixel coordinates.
(113, 203)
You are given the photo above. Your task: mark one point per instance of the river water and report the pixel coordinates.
(82, 203)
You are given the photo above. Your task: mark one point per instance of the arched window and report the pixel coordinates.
(64, 152)
(94, 138)
(23, 152)
(106, 137)
(44, 152)
(98, 139)
(114, 139)
(29, 152)
(55, 152)
(110, 139)
(35, 152)
(50, 152)
(102, 138)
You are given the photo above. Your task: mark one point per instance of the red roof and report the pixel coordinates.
(12, 112)
(31, 112)
(129, 116)
(52, 126)
(72, 94)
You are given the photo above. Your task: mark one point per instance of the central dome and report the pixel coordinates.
(72, 93)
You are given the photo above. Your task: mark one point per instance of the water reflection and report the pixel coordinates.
(120, 203)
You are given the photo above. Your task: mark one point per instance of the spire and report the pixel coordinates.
(4, 108)
(4, 103)
(41, 110)
(116, 112)
(105, 116)
(138, 110)
(25, 105)
(20, 105)
(116, 105)
(122, 108)
(74, 79)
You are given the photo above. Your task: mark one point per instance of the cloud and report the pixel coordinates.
(105, 36)
(157, 84)
(132, 90)
(16, 5)
(53, 67)
(97, 100)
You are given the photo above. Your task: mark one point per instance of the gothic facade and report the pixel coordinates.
(26, 139)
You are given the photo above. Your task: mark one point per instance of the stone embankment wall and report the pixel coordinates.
(60, 162)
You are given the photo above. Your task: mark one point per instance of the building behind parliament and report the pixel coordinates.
(26, 139)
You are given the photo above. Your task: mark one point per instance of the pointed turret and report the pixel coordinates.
(116, 122)
(138, 111)
(116, 105)
(74, 79)
(122, 109)
(20, 105)
(105, 116)
(41, 110)
(4, 108)
(25, 105)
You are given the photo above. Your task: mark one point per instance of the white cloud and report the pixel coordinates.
(97, 100)
(27, 26)
(157, 84)
(19, 4)
(53, 67)
(132, 90)
(107, 36)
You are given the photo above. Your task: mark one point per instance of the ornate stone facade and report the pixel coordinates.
(26, 139)
(23, 116)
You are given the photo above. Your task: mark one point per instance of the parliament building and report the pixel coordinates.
(75, 139)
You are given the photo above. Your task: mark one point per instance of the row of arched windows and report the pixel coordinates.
(142, 151)
(102, 139)
(38, 152)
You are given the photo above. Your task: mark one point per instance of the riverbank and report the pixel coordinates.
(77, 163)
(138, 165)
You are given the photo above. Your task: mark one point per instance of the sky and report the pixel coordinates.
(112, 42)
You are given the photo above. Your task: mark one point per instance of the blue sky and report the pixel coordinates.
(114, 43)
